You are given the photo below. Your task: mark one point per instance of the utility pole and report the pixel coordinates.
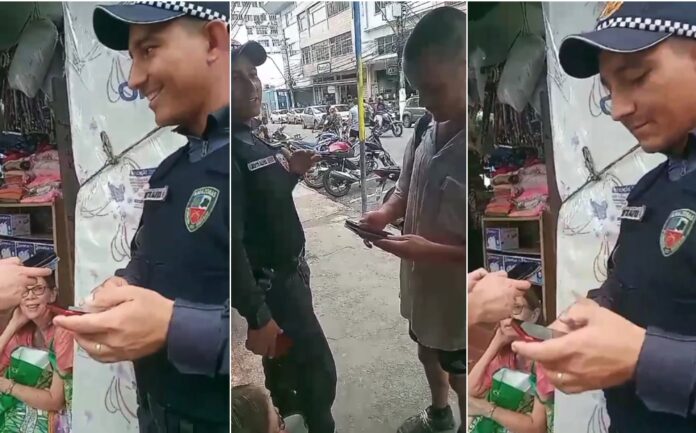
(288, 75)
(398, 12)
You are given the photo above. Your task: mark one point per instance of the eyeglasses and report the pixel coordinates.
(37, 290)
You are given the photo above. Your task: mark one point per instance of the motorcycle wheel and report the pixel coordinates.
(334, 186)
(314, 178)
(397, 129)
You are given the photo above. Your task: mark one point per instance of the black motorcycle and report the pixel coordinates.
(390, 123)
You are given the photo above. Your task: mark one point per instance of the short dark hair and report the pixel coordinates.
(441, 31)
(250, 409)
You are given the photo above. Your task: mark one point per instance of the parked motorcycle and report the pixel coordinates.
(280, 136)
(343, 169)
(390, 123)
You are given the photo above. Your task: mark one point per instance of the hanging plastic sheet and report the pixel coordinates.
(597, 163)
(116, 146)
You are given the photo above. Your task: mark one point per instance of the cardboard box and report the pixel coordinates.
(494, 262)
(25, 250)
(512, 260)
(7, 249)
(15, 225)
(502, 238)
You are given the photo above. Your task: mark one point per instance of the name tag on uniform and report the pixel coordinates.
(633, 213)
(156, 194)
(261, 163)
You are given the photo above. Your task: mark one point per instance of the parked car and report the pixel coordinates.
(279, 116)
(412, 111)
(294, 115)
(313, 116)
(344, 111)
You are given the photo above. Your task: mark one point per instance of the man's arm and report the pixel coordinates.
(666, 373)
(133, 272)
(248, 297)
(198, 341)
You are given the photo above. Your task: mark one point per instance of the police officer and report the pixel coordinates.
(643, 351)
(177, 330)
(271, 279)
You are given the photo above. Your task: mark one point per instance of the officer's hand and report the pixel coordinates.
(301, 160)
(136, 324)
(93, 306)
(15, 278)
(263, 341)
(601, 354)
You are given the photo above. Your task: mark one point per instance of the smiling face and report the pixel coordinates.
(652, 93)
(246, 89)
(171, 68)
(35, 299)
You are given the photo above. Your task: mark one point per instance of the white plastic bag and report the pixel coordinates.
(33, 56)
(521, 72)
(476, 61)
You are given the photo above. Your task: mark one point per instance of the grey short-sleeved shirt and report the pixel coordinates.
(433, 295)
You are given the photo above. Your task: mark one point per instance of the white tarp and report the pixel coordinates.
(103, 108)
(588, 224)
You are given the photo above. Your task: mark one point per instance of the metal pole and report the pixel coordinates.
(361, 106)
(402, 77)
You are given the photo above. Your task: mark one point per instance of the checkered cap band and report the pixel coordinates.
(194, 10)
(651, 25)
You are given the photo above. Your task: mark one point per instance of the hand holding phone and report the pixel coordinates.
(366, 233)
(524, 271)
(60, 311)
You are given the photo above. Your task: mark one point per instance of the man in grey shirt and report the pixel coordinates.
(431, 195)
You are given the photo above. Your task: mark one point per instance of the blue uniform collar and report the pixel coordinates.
(679, 166)
(215, 136)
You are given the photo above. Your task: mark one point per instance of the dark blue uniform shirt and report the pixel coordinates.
(182, 251)
(665, 378)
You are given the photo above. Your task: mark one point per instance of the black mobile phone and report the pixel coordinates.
(41, 259)
(523, 270)
(364, 232)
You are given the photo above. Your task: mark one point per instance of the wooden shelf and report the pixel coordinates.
(20, 205)
(516, 252)
(508, 219)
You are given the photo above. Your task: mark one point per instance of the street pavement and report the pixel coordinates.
(394, 145)
(356, 298)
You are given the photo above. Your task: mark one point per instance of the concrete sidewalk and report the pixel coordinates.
(356, 297)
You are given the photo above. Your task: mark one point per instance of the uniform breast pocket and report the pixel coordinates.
(451, 213)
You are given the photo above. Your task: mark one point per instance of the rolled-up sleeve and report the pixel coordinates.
(198, 341)
(404, 181)
(666, 372)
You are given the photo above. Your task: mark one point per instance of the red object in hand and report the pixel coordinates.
(518, 329)
(283, 345)
(62, 311)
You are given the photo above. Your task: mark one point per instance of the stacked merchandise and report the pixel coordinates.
(31, 172)
(520, 185)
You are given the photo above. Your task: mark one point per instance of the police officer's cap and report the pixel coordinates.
(252, 50)
(626, 27)
(111, 23)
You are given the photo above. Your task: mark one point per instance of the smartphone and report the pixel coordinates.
(42, 259)
(366, 233)
(529, 331)
(524, 270)
(71, 311)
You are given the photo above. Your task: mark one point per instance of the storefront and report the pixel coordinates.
(335, 89)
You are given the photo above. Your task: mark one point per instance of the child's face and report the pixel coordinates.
(35, 298)
(526, 315)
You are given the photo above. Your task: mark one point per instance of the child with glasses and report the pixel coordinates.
(47, 402)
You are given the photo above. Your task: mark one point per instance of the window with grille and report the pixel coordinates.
(341, 45)
(379, 7)
(277, 43)
(318, 14)
(320, 51)
(274, 30)
(306, 55)
(288, 18)
(302, 21)
(262, 30)
(335, 8)
(264, 42)
(250, 30)
(386, 45)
